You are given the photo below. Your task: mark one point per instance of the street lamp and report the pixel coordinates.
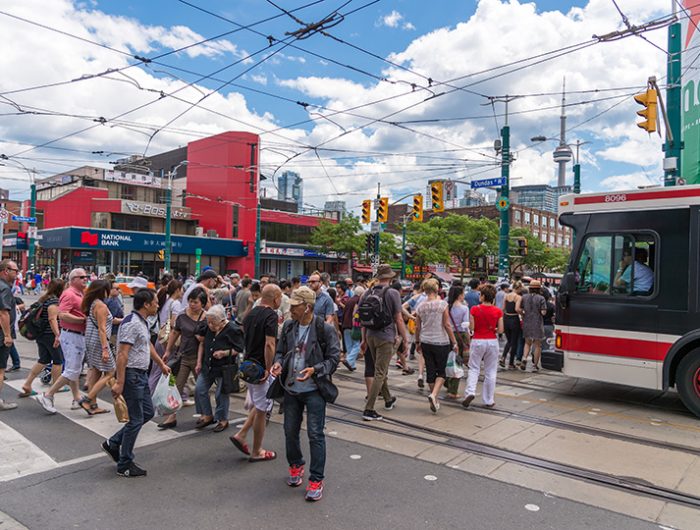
(564, 151)
(32, 212)
(168, 214)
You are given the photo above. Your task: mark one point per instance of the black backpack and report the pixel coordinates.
(30, 324)
(373, 311)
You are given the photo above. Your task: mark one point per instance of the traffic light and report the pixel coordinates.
(522, 246)
(161, 254)
(649, 101)
(369, 243)
(22, 242)
(438, 202)
(417, 208)
(383, 211)
(366, 212)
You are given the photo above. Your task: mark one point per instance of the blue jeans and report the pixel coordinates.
(352, 347)
(201, 397)
(315, 421)
(138, 401)
(14, 355)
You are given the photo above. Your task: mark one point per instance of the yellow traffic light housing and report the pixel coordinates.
(417, 214)
(383, 211)
(436, 193)
(522, 246)
(649, 100)
(366, 212)
(161, 254)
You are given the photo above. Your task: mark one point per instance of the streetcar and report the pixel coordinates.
(628, 307)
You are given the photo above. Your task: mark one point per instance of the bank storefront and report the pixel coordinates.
(287, 261)
(130, 253)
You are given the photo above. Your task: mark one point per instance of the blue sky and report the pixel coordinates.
(442, 39)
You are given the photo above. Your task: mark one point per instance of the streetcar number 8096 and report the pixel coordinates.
(616, 198)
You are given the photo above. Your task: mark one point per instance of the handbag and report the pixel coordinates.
(251, 371)
(229, 376)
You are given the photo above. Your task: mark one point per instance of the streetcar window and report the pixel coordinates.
(617, 264)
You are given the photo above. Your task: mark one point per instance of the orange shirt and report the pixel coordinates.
(70, 302)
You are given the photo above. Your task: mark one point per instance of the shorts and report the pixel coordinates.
(47, 353)
(73, 348)
(4, 355)
(257, 395)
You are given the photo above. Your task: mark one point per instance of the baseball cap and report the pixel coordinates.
(207, 274)
(302, 295)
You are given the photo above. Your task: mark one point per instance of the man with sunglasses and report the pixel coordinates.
(307, 355)
(72, 339)
(324, 304)
(8, 314)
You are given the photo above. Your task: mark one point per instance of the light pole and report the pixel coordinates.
(32, 212)
(168, 214)
(577, 164)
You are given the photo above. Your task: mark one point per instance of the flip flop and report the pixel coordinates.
(241, 446)
(27, 393)
(267, 455)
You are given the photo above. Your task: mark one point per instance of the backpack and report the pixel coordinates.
(373, 311)
(30, 324)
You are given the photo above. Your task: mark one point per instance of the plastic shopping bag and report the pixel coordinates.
(453, 368)
(166, 397)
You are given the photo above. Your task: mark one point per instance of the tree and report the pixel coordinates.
(344, 237)
(539, 257)
(468, 237)
(429, 241)
(389, 247)
(557, 259)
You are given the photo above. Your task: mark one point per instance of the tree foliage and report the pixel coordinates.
(467, 237)
(344, 237)
(428, 242)
(540, 257)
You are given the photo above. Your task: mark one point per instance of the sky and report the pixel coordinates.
(391, 91)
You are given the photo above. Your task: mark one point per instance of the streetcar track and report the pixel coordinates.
(455, 441)
(549, 422)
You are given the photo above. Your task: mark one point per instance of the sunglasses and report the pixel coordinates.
(13, 270)
(81, 277)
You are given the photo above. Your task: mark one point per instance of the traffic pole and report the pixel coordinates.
(31, 253)
(375, 261)
(403, 250)
(168, 220)
(504, 236)
(673, 146)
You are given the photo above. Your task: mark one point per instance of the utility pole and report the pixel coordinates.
(375, 261)
(673, 144)
(253, 187)
(504, 235)
(403, 249)
(577, 167)
(31, 253)
(168, 218)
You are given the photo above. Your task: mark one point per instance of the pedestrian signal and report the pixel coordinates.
(417, 214)
(366, 212)
(522, 246)
(438, 203)
(649, 101)
(383, 210)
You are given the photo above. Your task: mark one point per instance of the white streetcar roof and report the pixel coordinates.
(645, 199)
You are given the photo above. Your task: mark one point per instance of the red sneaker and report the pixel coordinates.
(314, 491)
(296, 475)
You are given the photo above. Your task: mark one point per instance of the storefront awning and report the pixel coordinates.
(365, 269)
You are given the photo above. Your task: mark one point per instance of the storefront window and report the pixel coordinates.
(131, 222)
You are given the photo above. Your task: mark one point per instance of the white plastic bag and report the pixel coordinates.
(453, 368)
(166, 397)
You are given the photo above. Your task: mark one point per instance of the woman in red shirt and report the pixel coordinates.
(485, 322)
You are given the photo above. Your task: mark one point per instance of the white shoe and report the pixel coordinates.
(46, 403)
(4, 405)
(188, 403)
(75, 405)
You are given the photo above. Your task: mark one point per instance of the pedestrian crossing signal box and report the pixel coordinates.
(22, 242)
(437, 197)
(522, 246)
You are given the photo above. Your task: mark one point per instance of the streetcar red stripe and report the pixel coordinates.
(617, 347)
(642, 196)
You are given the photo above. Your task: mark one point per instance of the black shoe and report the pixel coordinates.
(347, 365)
(162, 426)
(388, 405)
(113, 452)
(467, 401)
(421, 383)
(132, 471)
(371, 415)
(14, 369)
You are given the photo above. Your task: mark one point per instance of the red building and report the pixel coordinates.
(115, 219)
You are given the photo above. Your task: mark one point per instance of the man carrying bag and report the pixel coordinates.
(307, 355)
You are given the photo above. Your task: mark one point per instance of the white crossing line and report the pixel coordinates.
(25, 458)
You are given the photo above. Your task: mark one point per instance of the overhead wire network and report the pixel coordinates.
(316, 148)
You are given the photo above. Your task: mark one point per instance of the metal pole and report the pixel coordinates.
(403, 250)
(168, 219)
(31, 253)
(504, 236)
(672, 148)
(577, 170)
(255, 187)
(376, 236)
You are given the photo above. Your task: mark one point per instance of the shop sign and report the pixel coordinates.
(154, 210)
(138, 179)
(83, 256)
(296, 252)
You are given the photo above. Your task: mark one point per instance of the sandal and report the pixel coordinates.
(27, 393)
(86, 405)
(241, 446)
(221, 426)
(267, 455)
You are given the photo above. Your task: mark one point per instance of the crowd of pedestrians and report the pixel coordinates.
(281, 339)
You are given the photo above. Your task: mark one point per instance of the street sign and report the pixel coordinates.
(375, 227)
(4, 215)
(32, 232)
(488, 183)
(502, 204)
(22, 219)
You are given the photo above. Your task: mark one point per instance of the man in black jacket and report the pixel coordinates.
(307, 355)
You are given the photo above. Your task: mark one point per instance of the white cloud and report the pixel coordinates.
(395, 20)
(630, 181)
(259, 78)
